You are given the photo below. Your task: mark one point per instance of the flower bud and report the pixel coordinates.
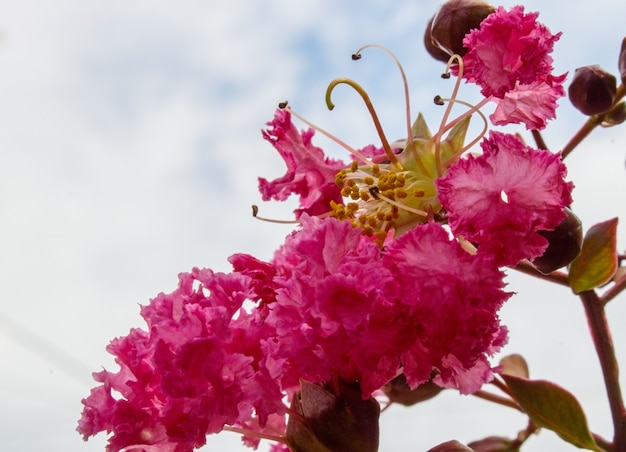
(621, 62)
(342, 421)
(452, 21)
(592, 90)
(564, 244)
(493, 444)
(450, 446)
(398, 391)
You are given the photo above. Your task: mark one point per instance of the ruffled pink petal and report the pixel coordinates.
(310, 174)
(509, 48)
(532, 105)
(502, 198)
(453, 298)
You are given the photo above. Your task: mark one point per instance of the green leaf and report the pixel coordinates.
(597, 261)
(554, 408)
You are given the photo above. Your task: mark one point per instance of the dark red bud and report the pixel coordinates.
(431, 48)
(493, 444)
(450, 446)
(398, 391)
(565, 243)
(334, 421)
(592, 90)
(452, 21)
(621, 62)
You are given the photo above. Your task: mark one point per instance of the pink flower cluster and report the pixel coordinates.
(509, 58)
(229, 350)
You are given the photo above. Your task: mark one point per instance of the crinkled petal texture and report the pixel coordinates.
(334, 314)
(532, 105)
(510, 47)
(310, 174)
(198, 367)
(502, 198)
(453, 298)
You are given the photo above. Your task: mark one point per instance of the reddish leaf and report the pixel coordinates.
(597, 261)
(554, 408)
(494, 444)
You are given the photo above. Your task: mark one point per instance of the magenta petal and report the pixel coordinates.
(310, 174)
(501, 199)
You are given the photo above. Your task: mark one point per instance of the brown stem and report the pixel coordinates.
(614, 291)
(539, 141)
(491, 397)
(591, 123)
(594, 309)
(607, 446)
(529, 269)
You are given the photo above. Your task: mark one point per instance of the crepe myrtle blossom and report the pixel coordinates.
(499, 201)
(394, 269)
(335, 308)
(198, 367)
(509, 58)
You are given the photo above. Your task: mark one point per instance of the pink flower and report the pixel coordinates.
(510, 49)
(532, 105)
(199, 367)
(453, 299)
(501, 199)
(310, 173)
(335, 315)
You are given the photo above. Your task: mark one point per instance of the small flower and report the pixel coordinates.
(199, 368)
(501, 199)
(510, 49)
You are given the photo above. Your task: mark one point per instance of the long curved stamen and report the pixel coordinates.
(255, 211)
(455, 91)
(343, 144)
(405, 85)
(368, 103)
(472, 109)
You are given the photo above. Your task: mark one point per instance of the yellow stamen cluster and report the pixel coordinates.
(380, 195)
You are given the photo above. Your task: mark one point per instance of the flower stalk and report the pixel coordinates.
(601, 335)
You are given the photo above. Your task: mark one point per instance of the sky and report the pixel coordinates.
(130, 148)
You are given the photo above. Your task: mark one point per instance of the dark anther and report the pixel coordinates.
(438, 100)
(374, 192)
(445, 75)
(255, 210)
(282, 105)
(356, 56)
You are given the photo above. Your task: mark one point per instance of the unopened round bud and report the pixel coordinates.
(398, 391)
(431, 48)
(452, 21)
(592, 90)
(564, 244)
